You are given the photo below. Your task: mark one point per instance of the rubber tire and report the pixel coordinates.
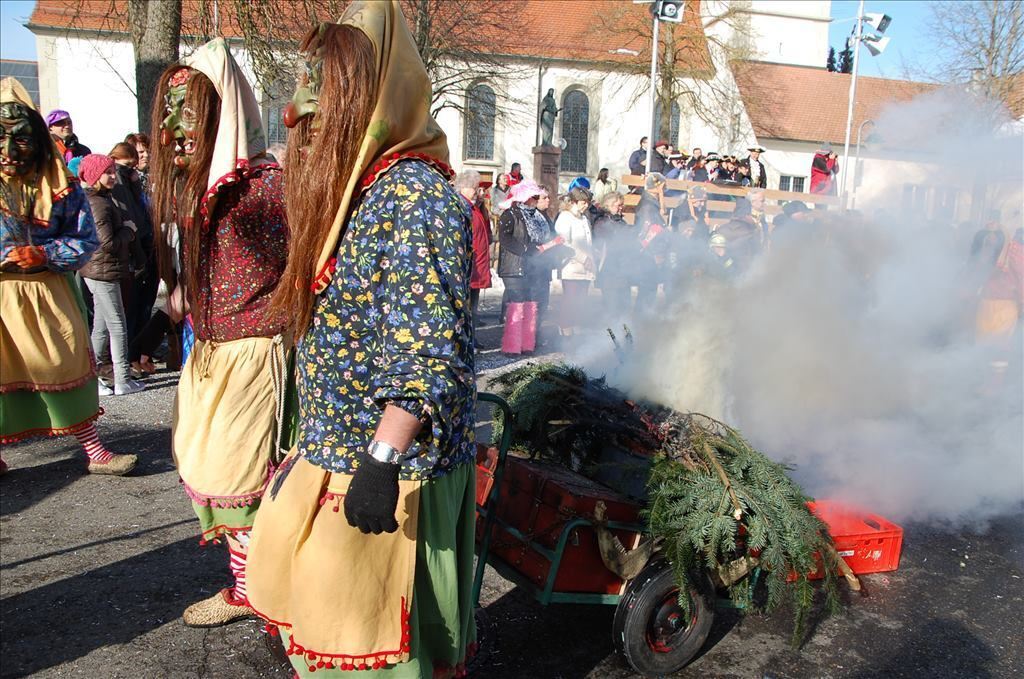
(644, 596)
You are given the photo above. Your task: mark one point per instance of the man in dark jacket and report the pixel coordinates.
(638, 158)
(758, 178)
(659, 159)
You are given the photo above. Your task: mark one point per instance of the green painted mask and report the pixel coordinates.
(306, 100)
(18, 147)
(175, 125)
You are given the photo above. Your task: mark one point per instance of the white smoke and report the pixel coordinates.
(849, 350)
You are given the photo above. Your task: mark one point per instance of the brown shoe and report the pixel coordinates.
(220, 609)
(118, 465)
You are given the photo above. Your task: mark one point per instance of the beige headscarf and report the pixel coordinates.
(241, 143)
(56, 181)
(401, 125)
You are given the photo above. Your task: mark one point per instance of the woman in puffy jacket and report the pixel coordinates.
(109, 266)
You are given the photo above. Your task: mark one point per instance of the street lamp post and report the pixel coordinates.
(876, 45)
(654, 95)
(857, 171)
(858, 33)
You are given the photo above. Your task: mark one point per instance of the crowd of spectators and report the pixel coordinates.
(522, 234)
(641, 266)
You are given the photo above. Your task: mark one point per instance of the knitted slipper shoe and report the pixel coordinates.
(220, 609)
(118, 465)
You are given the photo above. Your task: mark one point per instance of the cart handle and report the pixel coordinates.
(491, 502)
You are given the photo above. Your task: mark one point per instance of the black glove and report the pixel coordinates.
(372, 497)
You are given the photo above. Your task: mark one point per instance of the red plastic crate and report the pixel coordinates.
(867, 542)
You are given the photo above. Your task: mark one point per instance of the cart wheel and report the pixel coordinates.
(650, 628)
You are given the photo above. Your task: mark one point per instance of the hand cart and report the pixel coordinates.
(649, 628)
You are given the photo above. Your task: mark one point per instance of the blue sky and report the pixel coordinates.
(906, 31)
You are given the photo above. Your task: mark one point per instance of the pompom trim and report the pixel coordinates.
(35, 386)
(342, 661)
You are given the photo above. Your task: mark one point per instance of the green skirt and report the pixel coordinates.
(25, 414)
(441, 623)
(217, 521)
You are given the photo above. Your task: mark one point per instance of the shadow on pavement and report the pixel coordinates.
(526, 634)
(936, 649)
(25, 486)
(64, 620)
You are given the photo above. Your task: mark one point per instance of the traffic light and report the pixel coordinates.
(670, 10)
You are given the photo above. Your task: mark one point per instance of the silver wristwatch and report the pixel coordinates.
(382, 452)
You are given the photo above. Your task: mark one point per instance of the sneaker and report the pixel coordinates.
(104, 389)
(129, 386)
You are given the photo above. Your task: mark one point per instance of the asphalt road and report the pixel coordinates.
(95, 571)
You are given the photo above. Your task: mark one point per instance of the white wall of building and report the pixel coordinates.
(790, 31)
(94, 81)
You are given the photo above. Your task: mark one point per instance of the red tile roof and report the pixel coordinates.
(574, 30)
(810, 104)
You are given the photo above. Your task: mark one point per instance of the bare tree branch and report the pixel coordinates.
(982, 45)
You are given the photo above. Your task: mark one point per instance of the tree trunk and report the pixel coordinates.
(156, 33)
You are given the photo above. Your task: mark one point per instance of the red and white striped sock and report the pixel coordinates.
(237, 565)
(90, 440)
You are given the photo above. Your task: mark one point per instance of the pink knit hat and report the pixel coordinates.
(93, 166)
(522, 192)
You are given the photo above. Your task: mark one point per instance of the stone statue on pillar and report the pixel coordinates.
(548, 112)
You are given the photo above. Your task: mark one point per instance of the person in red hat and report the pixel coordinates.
(659, 159)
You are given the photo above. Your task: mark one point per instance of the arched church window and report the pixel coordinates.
(481, 105)
(575, 130)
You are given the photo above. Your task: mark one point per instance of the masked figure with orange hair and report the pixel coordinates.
(47, 374)
(212, 178)
(362, 553)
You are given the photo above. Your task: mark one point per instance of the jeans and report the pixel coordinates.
(109, 339)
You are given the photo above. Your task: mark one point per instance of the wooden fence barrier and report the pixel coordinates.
(773, 198)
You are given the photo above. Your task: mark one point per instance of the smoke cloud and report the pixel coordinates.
(849, 349)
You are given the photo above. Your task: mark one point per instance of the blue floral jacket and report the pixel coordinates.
(393, 326)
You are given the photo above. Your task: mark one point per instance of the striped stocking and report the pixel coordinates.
(236, 562)
(90, 440)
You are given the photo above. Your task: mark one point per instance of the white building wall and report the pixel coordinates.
(89, 79)
(94, 81)
(790, 31)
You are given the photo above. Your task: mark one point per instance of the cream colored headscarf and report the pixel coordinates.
(241, 143)
(56, 181)
(401, 125)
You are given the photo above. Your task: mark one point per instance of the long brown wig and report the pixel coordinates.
(177, 194)
(319, 161)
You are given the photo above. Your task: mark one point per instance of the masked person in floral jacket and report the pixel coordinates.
(362, 554)
(47, 377)
(211, 177)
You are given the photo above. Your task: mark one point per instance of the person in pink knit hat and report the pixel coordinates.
(110, 266)
(523, 232)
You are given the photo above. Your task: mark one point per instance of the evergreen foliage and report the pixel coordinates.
(716, 503)
(830, 63)
(844, 63)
